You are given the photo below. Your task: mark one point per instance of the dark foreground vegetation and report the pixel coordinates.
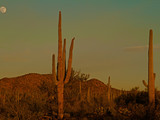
(34, 97)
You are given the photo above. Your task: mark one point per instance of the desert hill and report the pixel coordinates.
(30, 82)
(34, 95)
(37, 90)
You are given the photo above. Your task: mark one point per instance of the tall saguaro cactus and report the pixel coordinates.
(151, 75)
(63, 75)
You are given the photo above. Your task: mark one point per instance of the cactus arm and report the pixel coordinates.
(54, 70)
(144, 83)
(154, 76)
(64, 60)
(69, 62)
(59, 48)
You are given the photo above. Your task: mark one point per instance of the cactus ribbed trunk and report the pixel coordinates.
(151, 76)
(63, 75)
(60, 89)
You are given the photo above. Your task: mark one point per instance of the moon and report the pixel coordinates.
(3, 9)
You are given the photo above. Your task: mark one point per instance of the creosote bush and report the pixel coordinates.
(78, 75)
(27, 108)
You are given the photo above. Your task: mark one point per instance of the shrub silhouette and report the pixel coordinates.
(134, 106)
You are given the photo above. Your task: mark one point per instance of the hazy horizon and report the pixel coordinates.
(111, 38)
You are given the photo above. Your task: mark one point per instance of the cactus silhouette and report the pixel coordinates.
(151, 75)
(80, 90)
(109, 91)
(62, 77)
(89, 94)
(144, 83)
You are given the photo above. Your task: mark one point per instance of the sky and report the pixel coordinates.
(111, 38)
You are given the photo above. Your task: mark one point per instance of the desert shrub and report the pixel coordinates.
(48, 87)
(157, 112)
(50, 91)
(78, 75)
(137, 111)
(99, 111)
(135, 106)
(20, 105)
(133, 97)
(24, 109)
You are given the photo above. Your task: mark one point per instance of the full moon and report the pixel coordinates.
(3, 9)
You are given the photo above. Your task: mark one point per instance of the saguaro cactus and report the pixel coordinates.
(63, 75)
(80, 89)
(89, 95)
(151, 75)
(109, 91)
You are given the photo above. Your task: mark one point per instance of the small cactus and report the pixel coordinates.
(80, 89)
(109, 90)
(89, 95)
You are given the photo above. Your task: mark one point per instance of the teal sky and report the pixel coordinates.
(111, 38)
